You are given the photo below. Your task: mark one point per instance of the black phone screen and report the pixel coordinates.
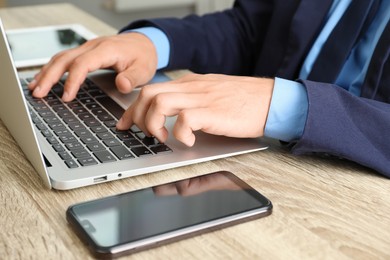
(149, 212)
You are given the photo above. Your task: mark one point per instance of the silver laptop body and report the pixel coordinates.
(14, 112)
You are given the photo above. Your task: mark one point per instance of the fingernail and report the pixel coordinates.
(65, 96)
(37, 90)
(119, 123)
(32, 83)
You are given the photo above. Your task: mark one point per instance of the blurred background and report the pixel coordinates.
(119, 13)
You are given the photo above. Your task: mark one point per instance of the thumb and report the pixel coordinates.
(128, 79)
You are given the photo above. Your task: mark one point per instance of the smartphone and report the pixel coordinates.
(35, 46)
(126, 223)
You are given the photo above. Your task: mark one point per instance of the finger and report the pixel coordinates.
(165, 103)
(45, 80)
(169, 104)
(189, 121)
(52, 72)
(81, 66)
(135, 75)
(136, 113)
(125, 122)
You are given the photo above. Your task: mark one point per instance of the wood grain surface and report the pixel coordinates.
(324, 208)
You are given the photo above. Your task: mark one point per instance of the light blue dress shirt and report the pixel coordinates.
(289, 105)
(160, 41)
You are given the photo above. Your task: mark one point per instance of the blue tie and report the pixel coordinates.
(342, 39)
(377, 81)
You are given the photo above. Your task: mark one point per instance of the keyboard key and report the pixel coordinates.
(46, 113)
(97, 110)
(112, 107)
(111, 142)
(132, 142)
(81, 95)
(62, 132)
(65, 155)
(83, 132)
(92, 106)
(50, 96)
(67, 139)
(55, 102)
(86, 100)
(96, 92)
(116, 131)
(76, 126)
(40, 107)
(51, 120)
(104, 156)
(162, 148)
(81, 153)
(74, 105)
(85, 116)
(88, 139)
(71, 120)
(79, 110)
(74, 146)
(46, 133)
(98, 129)
(87, 161)
(125, 136)
(41, 126)
(96, 147)
(105, 117)
(121, 152)
(52, 140)
(56, 126)
(59, 108)
(36, 102)
(149, 141)
(141, 151)
(65, 114)
(135, 129)
(71, 163)
(105, 136)
(58, 148)
(57, 89)
(91, 122)
(110, 123)
(36, 120)
(140, 135)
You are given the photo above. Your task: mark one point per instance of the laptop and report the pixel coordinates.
(75, 144)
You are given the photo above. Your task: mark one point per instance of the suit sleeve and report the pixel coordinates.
(223, 42)
(341, 124)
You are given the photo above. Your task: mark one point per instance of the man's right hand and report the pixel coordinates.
(132, 55)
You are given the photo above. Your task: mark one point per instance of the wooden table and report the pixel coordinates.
(323, 208)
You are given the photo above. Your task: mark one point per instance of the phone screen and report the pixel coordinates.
(31, 46)
(151, 212)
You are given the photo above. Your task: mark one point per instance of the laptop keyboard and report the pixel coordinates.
(83, 131)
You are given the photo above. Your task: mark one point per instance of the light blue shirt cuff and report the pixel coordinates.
(288, 111)
(160, 41)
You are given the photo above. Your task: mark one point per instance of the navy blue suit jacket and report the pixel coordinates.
(272, 39)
